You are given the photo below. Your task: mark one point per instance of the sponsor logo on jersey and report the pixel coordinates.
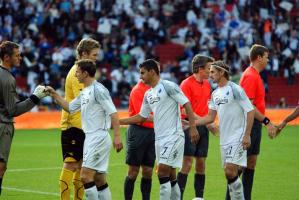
(153, 99)
(219, 101)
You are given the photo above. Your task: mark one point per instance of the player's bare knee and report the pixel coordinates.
(187, 165)
(164, 170)
(133, 172)
(230, 171)
(86, 179)
(251, 162)
(147, 172)
(200, 166)
(87, 175)
(2, 168)
(100, 180)
(72, 166)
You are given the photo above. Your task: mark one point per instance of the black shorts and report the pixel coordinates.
(140, 146)
(255, 136)
(72, 141)
(201, 148)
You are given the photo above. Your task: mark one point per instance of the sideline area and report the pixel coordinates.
(50, 120)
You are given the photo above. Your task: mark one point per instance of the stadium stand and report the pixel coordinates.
(170, 31)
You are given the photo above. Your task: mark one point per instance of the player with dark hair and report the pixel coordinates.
(98, 114)
(140, 147)
(163, 99)
(10, 105)
(198, 90)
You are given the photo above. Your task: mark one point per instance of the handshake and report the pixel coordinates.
(42, 91)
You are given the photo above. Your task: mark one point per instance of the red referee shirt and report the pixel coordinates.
(253, 85)
(198, 93)
(136, 99)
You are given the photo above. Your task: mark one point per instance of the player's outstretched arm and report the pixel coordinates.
(209, 118)
(213, 128)
(59, 100)
(289, 118)
(246, 139)
(136, 119)
(117, 143)
(272, 130)
(193, 133)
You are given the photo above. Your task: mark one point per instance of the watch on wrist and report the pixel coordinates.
(266, 121)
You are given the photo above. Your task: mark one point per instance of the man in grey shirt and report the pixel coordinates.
(10, 105)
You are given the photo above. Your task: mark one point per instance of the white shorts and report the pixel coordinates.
(170, 150)
(234, 153)
(96, 151)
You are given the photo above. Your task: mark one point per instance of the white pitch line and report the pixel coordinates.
(50, 168)
(31, 191)
(33, 169)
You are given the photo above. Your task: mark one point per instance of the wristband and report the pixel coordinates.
(266, 121)
(34, 99)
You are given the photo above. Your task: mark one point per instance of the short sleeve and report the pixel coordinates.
(103, 97)
(145, 108)
(249, 84)
(174, 91)
(75, 104)
(211, 105)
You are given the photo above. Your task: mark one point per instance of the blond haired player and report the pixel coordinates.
(72, 135)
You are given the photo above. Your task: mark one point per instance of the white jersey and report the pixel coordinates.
(232, 106)
(96, 107)
(164, 100)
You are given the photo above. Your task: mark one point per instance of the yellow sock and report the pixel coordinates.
(66, 177)
(78, 186)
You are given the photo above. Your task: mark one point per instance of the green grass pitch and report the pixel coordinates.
(35, 163)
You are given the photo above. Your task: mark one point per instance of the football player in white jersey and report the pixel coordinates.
(98, 113)
(236, 115)
(163, 99)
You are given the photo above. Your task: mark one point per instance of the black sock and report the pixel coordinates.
(173, 183)
(247, 181)
(182, 180)
(199, 184)
(129, 188)
(102, 187)
(145, 187)
(1, 184)
(89, 185)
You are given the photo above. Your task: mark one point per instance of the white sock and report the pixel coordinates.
(165, 191)
(91, 193)
(104, 194)
(236, 190)
(175, 192)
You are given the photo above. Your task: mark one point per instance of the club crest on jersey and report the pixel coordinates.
(219, 101)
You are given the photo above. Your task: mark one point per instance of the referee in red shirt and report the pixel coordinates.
(198, 90)
(252, 84)
(140, 149)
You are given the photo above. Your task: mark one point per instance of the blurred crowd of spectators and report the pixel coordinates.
(130, 30)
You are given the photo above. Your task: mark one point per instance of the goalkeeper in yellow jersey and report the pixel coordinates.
(72, 135)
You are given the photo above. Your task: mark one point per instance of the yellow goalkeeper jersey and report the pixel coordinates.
(72, 90)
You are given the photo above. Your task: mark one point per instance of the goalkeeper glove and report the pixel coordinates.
(40, 91)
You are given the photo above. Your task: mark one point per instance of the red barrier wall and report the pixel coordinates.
(48, 120)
